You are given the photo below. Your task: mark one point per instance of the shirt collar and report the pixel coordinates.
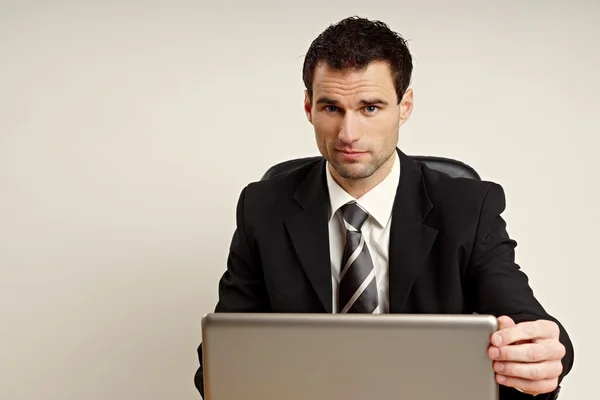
(378, 202)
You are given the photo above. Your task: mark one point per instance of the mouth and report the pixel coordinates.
(351, 154)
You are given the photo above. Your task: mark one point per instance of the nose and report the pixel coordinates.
(348, 130)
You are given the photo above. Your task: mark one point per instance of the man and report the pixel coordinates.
(367, 229)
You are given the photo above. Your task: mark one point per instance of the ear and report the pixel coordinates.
(307, 106)
(406, 106)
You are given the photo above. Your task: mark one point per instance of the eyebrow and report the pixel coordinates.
(369, 102)
(326, 100)
(364, 102)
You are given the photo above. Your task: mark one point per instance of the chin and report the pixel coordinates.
(353, 170)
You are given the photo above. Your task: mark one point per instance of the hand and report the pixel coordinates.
(527, 356)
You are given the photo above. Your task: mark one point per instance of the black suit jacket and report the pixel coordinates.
(449, 251)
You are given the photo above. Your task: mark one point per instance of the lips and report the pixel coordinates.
(352, 154)
(351, 151)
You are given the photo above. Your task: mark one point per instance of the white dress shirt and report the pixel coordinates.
(378, 203)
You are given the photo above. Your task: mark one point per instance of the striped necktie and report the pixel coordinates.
(358, 286)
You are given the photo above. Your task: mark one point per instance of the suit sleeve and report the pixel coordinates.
(242, 285)
(497, 286)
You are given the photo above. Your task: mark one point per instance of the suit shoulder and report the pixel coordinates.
(455, 194)
(280, 186)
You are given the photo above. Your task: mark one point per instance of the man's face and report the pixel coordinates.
(356, 117)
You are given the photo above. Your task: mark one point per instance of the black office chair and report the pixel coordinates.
(454, 168)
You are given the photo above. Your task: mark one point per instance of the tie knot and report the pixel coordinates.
(354, 215)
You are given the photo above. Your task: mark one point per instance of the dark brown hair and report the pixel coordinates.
(355, 42)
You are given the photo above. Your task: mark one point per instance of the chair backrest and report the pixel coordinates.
(454, 168)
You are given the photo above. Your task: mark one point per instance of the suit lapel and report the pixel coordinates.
(309, 233)
(410, 239)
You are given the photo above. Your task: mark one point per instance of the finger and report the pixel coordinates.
(528, 352)
(529, 371)
(532, 330)
(528, 386)
(505, 322)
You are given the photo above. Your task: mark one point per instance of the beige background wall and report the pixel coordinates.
(128, 129)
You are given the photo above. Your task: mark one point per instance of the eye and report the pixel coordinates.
(331, 109)
(371, 109)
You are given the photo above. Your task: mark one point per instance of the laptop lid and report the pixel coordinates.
(347, 356)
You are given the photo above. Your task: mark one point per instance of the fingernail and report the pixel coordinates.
(494, 353)
(498, 340)
(501, 378)
(499, 367)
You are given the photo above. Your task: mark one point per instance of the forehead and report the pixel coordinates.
(375, 79)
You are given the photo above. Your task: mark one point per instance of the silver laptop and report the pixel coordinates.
(347, 357)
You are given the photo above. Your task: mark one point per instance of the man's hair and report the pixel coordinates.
(355, 42)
